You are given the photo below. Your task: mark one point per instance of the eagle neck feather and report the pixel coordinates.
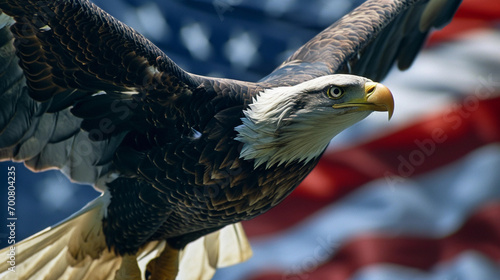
(268, 136)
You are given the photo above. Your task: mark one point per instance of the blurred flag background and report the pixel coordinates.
(414, 198)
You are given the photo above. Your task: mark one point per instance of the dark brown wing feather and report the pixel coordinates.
(65, 52)
(70, 49)
(367, 41)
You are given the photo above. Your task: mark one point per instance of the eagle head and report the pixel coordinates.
(296, 123)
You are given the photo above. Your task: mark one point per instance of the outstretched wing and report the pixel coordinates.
(367, 41)
(67, 52)
(74, 45)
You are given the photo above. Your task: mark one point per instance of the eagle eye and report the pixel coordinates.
(335, 92)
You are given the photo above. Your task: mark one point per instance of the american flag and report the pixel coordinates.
(417, 198)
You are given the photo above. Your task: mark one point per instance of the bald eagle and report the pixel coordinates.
(180, 158)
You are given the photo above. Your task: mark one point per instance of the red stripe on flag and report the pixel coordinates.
(434, 142)
(480, 9)
(480, 233)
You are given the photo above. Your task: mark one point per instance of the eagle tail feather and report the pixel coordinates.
(225, 247)
(73, 249)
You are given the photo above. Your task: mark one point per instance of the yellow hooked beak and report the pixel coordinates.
(377, 98)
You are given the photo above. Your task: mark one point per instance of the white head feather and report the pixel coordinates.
(277, 129)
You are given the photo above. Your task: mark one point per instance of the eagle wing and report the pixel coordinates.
(58, 54)
(367, 41)
(104, 54)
